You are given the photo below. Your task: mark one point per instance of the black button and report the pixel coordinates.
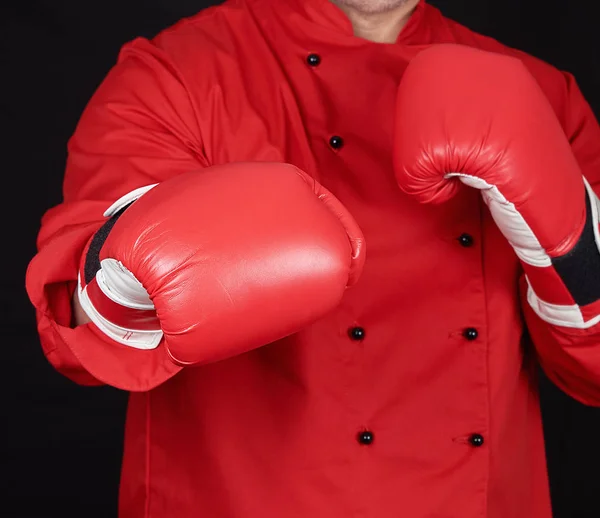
(356, 333)
(365, 437)
(465, 240)
(336, 142)
(476, 440)
(313, 60)
(470, 333)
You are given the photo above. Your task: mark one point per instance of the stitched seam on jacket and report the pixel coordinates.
(487, 365)
(147, 459)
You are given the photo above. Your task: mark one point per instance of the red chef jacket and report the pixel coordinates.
(417, 396)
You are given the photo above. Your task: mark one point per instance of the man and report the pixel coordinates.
(406, 223)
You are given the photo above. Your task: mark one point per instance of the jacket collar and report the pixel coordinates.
(323, 20)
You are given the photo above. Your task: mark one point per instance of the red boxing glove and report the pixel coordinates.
(465, 116)
(214, 263)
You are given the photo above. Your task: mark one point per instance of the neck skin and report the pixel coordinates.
(382, 26)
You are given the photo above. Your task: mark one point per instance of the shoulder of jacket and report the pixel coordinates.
(214, 28)
(552, 80)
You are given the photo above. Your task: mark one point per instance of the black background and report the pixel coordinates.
(62, 444)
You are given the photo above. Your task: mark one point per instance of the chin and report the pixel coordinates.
(374, 6)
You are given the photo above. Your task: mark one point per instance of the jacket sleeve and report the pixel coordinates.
(139, 128)
(570, 355)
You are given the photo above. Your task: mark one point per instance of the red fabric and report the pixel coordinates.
(273, 433)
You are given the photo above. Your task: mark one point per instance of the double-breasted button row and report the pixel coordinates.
(357, 333)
